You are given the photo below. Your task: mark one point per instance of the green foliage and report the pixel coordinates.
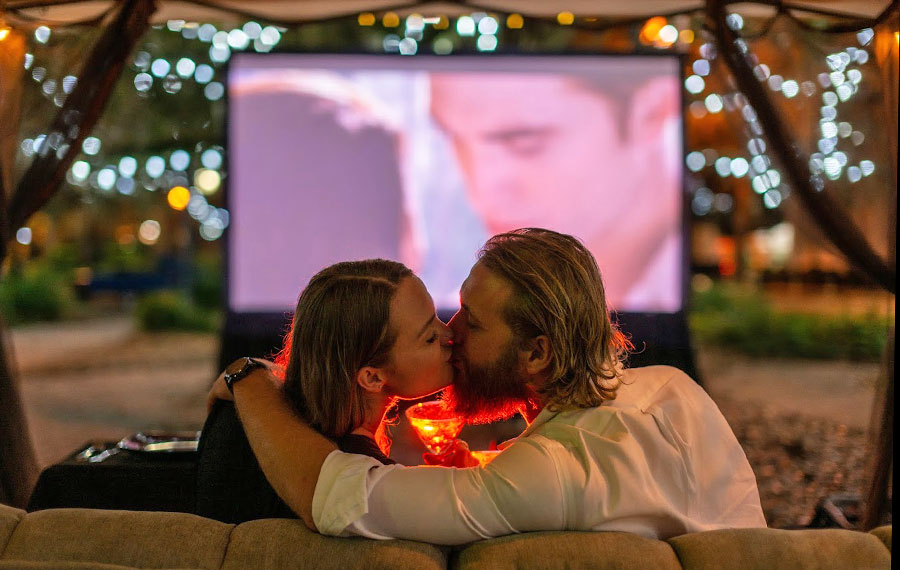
(128, 258)
(206, 288)
(743, 320)
(35, 293)
(173, 310)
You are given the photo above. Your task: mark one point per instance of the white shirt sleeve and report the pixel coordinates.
(519, 491)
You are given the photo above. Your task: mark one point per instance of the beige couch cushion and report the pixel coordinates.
(884, 535)
(9, 518)
(772, 549)
(567, 551)
(282, 543)
(124, 538)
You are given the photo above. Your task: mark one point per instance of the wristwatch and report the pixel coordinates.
(239, 369)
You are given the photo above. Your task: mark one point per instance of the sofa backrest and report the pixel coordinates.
(81, 539)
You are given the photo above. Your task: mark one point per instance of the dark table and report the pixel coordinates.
(123, 479)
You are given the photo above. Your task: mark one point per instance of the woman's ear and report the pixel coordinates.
(370, 379)
(536, 356)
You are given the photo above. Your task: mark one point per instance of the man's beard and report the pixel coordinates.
(484, 394)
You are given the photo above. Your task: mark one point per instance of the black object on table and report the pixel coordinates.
(120, 479)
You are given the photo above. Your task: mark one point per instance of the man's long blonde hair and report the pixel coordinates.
(558, 292)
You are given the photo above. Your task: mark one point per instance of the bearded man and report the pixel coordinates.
(641, 450)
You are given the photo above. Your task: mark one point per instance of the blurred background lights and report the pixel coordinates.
(390, 20)
(211, 158)
(565, 18)
(702, 202)
(366, 19)
(125, 186)
(488, 25)
(865, 36)
(106, 178)
(739, 167)
(772, 199)
(415, 23)
(844, 92)
(160, 67)
(155, 166)
(23, 235)
(713, 103)
(697, 109)
(42, 34)
(204, 73)
(790, 88)
(206, 32)
(185, 67)
(854, 174)
(442, 46)
(407, 46)
(270, 36)
(91, 145)
(143, 82)
(127, 166)
(68, 83)
(391, 43)
(515, 22)
(238, 39)
(171, 83)
(829, 129)
(219, 54)
(178, 198)
(179, 160)
(867, 167)
(80, 170)
(465, 26)
(214, 91)
(486, 43)
(701, 67)
(723, 166)
(668, 34)
(149, 232)
(694, 84)
(734, 21)
(695, 161)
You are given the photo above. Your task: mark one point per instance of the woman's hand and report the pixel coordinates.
(458, 456)
(219, 391)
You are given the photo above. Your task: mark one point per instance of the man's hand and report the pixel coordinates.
(458, 456)
(219, 391)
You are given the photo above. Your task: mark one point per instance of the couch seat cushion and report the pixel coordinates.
(567, 551)
(773, 549)
(126, 538)
(283, 543)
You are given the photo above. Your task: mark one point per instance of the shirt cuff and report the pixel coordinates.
(341, 495)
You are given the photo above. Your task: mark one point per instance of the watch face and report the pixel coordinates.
(237, 366)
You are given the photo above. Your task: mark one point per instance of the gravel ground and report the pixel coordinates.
(803, 424)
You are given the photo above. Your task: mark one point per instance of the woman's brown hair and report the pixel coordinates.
(340, 325)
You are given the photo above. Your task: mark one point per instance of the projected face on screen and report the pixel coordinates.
(422, 159)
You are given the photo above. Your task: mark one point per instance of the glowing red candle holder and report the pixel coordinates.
(436, 426)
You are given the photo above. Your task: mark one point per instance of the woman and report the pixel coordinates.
(364, 334)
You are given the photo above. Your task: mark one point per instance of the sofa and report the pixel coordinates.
(81, 539)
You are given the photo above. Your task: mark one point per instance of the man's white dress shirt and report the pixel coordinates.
(660, 460)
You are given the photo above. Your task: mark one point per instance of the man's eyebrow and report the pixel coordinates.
(425, 327)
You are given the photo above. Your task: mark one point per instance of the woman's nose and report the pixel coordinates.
(447, 336)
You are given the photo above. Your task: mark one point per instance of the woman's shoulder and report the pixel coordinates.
(362, 445)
